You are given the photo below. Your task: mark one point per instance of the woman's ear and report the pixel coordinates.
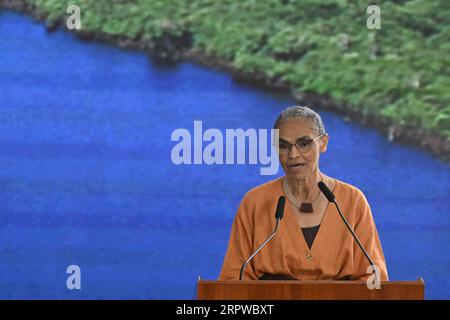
(324, 143)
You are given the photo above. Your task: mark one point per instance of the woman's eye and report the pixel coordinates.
(304, 144)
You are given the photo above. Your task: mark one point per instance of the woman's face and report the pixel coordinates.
(302, 160)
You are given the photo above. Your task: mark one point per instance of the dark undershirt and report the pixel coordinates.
(310, 234)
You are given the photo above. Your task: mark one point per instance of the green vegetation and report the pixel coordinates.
(399, 73)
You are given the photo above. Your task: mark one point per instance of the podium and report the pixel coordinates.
(308, 290)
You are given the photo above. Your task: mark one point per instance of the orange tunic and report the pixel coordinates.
(333, 255)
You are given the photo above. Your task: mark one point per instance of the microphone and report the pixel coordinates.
(330, 196)
(280, 208)
(278, 216)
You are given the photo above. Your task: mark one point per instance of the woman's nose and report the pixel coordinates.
(293, 152)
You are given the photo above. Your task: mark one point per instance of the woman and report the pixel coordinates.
(312, 242)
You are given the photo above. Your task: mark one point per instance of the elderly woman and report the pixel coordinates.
(312, 242)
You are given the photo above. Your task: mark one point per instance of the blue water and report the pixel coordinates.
(86, 176)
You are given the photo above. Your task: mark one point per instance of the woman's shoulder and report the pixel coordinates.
(348, 187)
(268, 188)
(263, 194)
(260, 199)
(348, 191)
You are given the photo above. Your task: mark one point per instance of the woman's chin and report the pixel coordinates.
(297, 174)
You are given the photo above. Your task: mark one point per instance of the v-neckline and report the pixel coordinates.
(298, 227)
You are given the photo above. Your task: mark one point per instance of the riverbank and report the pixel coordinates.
(415, 112)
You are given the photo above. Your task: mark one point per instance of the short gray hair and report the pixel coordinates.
(303, 113)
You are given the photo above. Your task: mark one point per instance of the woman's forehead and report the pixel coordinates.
(296, 128)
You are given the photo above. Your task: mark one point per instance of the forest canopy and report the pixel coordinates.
(399, 73)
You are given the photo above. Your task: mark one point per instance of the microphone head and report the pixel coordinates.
(327, 192)
(280, 208)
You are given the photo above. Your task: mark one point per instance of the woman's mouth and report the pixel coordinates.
(296, 166)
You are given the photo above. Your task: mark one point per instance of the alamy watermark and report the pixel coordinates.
(235, 146)
(373, 282)
(374, 20)
(74, 280)
(73, 21)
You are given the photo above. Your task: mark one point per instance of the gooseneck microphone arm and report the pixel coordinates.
(278, 217)
(257, 250)
(354, 235)
(330, 196)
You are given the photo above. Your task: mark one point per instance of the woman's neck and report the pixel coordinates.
(305, 189)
